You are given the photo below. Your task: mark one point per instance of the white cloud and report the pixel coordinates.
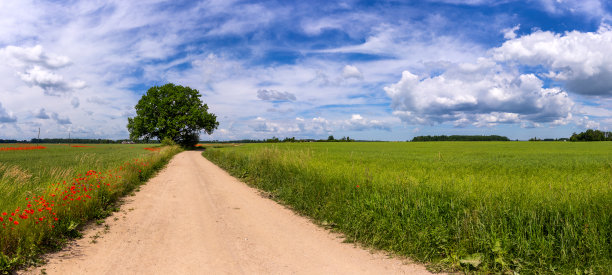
(23, 56)
(591, 8)
(98, 100)
(252, 17)
(5, 116)
(510, 33)
(41, 114)
(480, 94)
(60, 120)
(581, 60)
(350, 71)
(358, 123)
(299, 126)
(466, 2)
(38, 68)
(265, 126)
(52, 83)
(274, 95)
(587, 123)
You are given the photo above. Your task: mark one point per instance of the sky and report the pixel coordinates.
(370, 70)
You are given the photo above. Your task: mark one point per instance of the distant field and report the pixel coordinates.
(46, 191)
(488, 206)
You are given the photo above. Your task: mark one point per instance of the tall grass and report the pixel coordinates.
(486, 206)
(46, 194)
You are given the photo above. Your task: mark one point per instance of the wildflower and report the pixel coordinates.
(16, 222)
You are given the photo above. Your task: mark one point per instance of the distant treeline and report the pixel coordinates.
(287, 139)
(592, 135)
(75, 140)
(13, 141)
(461, 138)
(548, 139)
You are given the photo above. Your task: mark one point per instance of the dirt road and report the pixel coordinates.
(194, 218)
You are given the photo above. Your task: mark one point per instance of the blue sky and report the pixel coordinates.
(372, 70)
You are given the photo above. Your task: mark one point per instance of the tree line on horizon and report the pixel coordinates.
(460, 138)
(592, 135)
(76, 140)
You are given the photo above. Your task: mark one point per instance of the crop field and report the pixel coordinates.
(48, 190)
(529, 207)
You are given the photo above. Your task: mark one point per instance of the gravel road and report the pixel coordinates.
(194, 218)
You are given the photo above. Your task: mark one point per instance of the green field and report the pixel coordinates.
(45, 194)
(530, 207)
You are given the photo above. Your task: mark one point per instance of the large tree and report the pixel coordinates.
(174, 112)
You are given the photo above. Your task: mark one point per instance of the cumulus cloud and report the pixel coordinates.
(580, 60)
(262, 125)
(314, 126)
(38, 68)
(52, 83)
(41, 113)
(274, 95)
(479, 94)
(60, 120)
(510, 33)
(351, 72)
(358, 123)
(23, 56)
(587, 123)
(5, 116)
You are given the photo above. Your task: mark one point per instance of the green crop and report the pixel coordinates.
(542, 207)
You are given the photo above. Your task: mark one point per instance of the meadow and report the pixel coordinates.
(47, 191)
(527, 207)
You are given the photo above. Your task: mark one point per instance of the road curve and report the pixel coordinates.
(194, 218)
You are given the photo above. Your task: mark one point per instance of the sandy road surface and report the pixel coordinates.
(194, 218)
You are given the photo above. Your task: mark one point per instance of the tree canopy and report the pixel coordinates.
(171, 112)
(592, 135)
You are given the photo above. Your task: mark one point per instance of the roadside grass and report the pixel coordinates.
(489, 207)
(47, 194)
